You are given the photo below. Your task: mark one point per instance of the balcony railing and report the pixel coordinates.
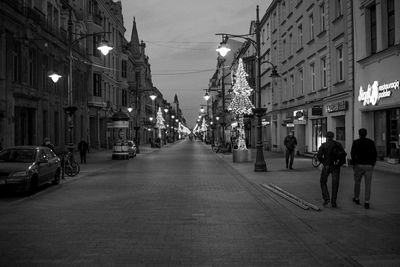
(98, 19)
(36, 15)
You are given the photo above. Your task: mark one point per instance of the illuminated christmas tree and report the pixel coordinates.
(241, 103)
(160, 122)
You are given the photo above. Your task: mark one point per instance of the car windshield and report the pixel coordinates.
(18, 155)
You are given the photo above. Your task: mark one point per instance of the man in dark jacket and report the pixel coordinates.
(363, 156)
(290, 143)
(83, 147)
(329, 154)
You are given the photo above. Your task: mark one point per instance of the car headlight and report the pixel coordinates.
(20, 173)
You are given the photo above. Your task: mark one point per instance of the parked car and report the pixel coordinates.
(25, 168)
(131, 149)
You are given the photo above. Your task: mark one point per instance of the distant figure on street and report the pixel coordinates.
(46, 142)
(363, 157)
(332, 155)
(290, 143)
(83, 148)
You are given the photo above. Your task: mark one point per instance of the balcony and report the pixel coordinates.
(16, 4)
(98, 19)
(36, 15)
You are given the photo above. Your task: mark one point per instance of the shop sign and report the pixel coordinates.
(375, 92)
(298, 116)
(290, 125)
(265, 122)
(316, 111)
(339, 106)
(120, 124)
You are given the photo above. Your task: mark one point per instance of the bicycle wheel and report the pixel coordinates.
(315, 161)
(72, 169)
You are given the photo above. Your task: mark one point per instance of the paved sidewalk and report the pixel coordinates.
(372, 236)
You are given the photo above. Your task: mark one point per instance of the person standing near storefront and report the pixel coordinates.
(332, 155)
(290, 143)
(363, 157)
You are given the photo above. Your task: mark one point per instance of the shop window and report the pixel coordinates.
(394, 133)
(319, 129)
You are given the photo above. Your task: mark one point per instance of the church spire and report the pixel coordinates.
(134, 35)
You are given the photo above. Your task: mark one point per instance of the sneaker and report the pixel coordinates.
(366, 205)
(356, 201)
(326, 202)
(334, 205)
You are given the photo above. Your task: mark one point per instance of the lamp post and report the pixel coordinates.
(70, 109)
(260, 164)
(173, 127)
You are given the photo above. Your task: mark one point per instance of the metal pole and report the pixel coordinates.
(70, 110)
(260, 165)
(223, 101)
(137, 125)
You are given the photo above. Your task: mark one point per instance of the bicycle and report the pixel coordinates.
(71, 167)
(219, 148)
(315, 161)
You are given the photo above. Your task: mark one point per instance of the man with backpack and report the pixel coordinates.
(332, 155)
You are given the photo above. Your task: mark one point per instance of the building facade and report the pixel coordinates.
(34, 42)
(377, 74)
(312, 45)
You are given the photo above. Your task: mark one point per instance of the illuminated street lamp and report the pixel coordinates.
(260, 165)
(55, 77)
(206, 96)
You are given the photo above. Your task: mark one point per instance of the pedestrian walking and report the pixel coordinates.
(363, 157)
(83, 148)
(332, 155)
(290, 143)
(46, 142)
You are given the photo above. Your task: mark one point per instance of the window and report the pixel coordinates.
(322, 17)
(96, 84)
(338, 8)
(300, 36)
(283, 10)
(284, 49)
(324, 73)
(291, 85)
(311, 20)
(372, 16)
(96, 40)
(391, 22)
(267, 31)
(124, 98)
(339, 53)
(123, 69)
(16, 68)
(301, 78)
(31, 68)
(45, 122)
(286, 89)
(290, 44)
(312, 73)
(137, 79)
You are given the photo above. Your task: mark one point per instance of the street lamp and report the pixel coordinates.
(260, 165)
(206, 96)
(70, 109)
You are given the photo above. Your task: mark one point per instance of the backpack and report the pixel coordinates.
(338, 155)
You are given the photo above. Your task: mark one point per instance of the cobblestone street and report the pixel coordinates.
(184, 205)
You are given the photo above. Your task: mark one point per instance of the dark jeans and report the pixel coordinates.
(289, 158)
(83, 156)
(335, 171)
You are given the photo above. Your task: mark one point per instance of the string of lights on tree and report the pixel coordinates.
(160, 122)
(241, 103)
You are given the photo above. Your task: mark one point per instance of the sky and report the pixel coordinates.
(180, 42)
